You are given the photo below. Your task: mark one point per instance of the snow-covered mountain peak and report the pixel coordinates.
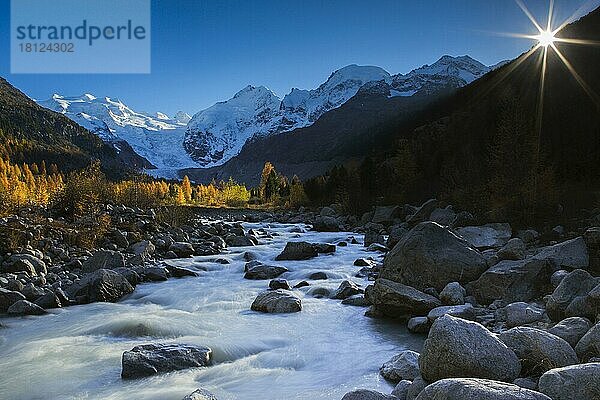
(353, 72)
(463, 67)
(158, 138)
(182, 118)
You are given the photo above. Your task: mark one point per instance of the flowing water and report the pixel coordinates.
(322, 352)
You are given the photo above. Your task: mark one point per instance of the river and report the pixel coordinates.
(322, 352)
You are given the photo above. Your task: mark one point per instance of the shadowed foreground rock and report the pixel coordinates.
(363, 394)
(572, 383)
(456, 348)
(152, 359)
(400, 301)
(477, 389)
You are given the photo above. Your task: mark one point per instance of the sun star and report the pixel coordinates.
(546, 38)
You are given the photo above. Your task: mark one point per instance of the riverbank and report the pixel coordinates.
(527, 296)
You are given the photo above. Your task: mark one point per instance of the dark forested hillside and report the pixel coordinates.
(30, 133)
(496, 144)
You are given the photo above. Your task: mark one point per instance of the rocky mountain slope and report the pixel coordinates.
(218, 133)
(31, 133)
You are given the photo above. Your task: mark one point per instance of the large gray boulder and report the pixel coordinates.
(477, 389)
(572, 383)
(276, 302)
(24, 307)
(400, 301)
(297, 251)
(432, 256)
(571, 329)
(386, 214)
(152, 359)
(453, 294)
(363, 394)
(569, 255)
(8, 298)
(422, 213)
(512, 281)
(401, 389)
(521, 313)
(403, 366)
(456, 348)
(539, 351)
(200, 394)
(464, 311)
(182, 249)
(486, 236)
(326, 224)
(261, 272)
(103, 259)
(38, 264)
(589, 345)
(577, 295)
(513, 250)
(346, 289)
(102, 285)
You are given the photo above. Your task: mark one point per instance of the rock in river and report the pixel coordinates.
(262, 271)
(402, 366)
(102, 285)
(151, 359)
(297, 251)
(400, 301)
(277, 301)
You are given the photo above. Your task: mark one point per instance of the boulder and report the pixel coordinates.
(487, 236)
(477, 389)
(324, 248)
(386, 214)
(24, 307)
(557, 277)
(400, 301)
(326, 224)
(103, 259)
(374, 237)
(397, 232)
(102, 285)
(318, 276)
(178, 272)
(277, 301)
(443, 216)
(422, 213)
(279, 284)
(513, 250)
(453, 294)
(571, 329)
(38, 264)
(152, 359)
(415, 388)
(575, 297)
(21, 266)
(572, 383)
(456, 348)
(363, 394)
(150, 273)
(182, 249)
(401, 389)
(539, 351)
(512, 281)
(464, 311)
(568, 255)
(522, 313)
(200, 394)
(403, 366)
(261, 272)
(8, 298)
(432, 256)
(346, 289)
(418, 325)
(240, 241)
(589, 345)
(297, 251)
(357, 300)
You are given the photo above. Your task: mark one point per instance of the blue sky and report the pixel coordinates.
(205, 51)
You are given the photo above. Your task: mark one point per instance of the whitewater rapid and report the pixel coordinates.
(322, 352)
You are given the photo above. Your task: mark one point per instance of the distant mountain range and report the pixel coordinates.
(217, 134)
